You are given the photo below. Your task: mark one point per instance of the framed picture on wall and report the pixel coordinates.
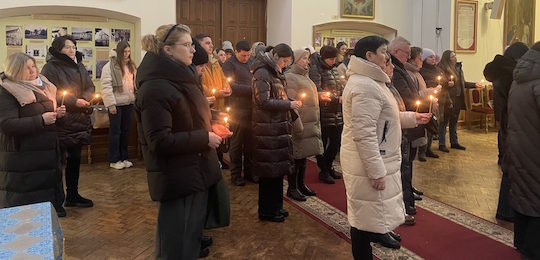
(358, 9)
(519, 22)
(35, 32)
(329, 41)
(465, 24)
(14, 35)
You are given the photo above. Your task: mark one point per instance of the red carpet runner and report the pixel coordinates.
(433, 237)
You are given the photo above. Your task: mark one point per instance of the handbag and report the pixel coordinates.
(100, 117)
(218, 207)
(433, 125)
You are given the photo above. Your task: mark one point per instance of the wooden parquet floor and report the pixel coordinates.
(121, 225)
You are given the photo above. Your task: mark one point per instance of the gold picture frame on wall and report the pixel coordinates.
(465, 26)
(519, 19)
(364, 9)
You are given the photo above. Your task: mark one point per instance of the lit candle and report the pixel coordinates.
(213, 92)
(439, 79)
(430, 102)
(63, 96)
(96, 96)
(229, 79)
(483, 82)
(303, 95)
(435, 92)
(417, 105)
(342, 77)
(226, 119)
(451, 77)
(228, 109)
(328, 93)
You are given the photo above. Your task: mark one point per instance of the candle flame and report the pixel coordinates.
(417, 102)
(328, 93)
(451, 77)
(228, 109)
(213, 91)
(303, 95)
(435, 92)
(342, 76)
(64, 93)
(226, 119)
(430, 97)
(229, 79)
(439, 78)
(96, 95)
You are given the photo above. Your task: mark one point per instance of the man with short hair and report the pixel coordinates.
(400, 50)
(323, 73)
(237, 69)
(214, 82)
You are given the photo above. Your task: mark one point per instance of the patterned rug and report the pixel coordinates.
(441, 231)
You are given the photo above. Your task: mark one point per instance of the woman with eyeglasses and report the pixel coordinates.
(178, 140)
(272, 146)
(75, 88)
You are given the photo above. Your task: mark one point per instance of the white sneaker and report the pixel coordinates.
(117, 165)
(127, 163)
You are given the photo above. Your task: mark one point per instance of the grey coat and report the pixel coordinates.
(308, 142)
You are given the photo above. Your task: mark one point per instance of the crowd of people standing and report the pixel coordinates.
(270, 108)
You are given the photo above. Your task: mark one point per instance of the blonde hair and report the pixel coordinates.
(15, 65)
(164, 36)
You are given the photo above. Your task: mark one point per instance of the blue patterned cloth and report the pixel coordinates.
(30, 232)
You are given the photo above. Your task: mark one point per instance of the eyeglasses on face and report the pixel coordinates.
(186, 44)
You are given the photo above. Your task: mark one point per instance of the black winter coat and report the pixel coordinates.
(240, 98)
(523, 141)
(326, 78)
(272, 147)
(408, 90)
(29, 155)
(75, 128)
(173, 121)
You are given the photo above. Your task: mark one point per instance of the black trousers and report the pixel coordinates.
(526, 230)
(240, 149)
(361, 248)
(180, 227)
(503, 207)
(72, 159)
(270, 195)
(119, 133)
(331, 137)
(408, 153)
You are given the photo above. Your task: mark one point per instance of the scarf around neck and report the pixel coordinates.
(23, 91)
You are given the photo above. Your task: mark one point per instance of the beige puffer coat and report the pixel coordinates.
(370, 148)
(308, 142)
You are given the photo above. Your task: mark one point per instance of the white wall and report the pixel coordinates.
(151, 15)
(278, 21)
(306, 13)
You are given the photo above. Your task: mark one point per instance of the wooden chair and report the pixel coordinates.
(476, 104)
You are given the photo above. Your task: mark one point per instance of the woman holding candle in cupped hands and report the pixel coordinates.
(307, 142)
(64, 68)
(452, 99)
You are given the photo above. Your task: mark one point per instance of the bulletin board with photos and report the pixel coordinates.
(95, 40)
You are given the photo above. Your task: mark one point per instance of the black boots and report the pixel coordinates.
(300, 168)
(292, 191)
(76, 200)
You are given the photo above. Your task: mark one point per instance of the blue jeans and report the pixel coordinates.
(451, 116)
(119, 133)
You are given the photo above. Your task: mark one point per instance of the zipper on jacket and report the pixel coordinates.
(385, 130)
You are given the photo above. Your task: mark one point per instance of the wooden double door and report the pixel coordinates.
(231, 20)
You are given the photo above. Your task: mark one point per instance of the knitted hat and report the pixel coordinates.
(299, 53)
(200, 56)
(328, 52)
(227, 45)
(426, 53)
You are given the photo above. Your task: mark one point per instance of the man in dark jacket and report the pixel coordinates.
(323, 73)
(400, 50)
(500, 73)
(521, 159)
(237, 70)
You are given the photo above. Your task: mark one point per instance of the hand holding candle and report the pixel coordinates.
(430, 102)
(96, 97)
(213, 91)
(63, 97)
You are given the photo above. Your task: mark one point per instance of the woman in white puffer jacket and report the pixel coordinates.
(371, 149)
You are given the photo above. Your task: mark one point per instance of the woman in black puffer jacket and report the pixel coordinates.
(177, 140)
(29, 155)
(272, 148)
(65, 70)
